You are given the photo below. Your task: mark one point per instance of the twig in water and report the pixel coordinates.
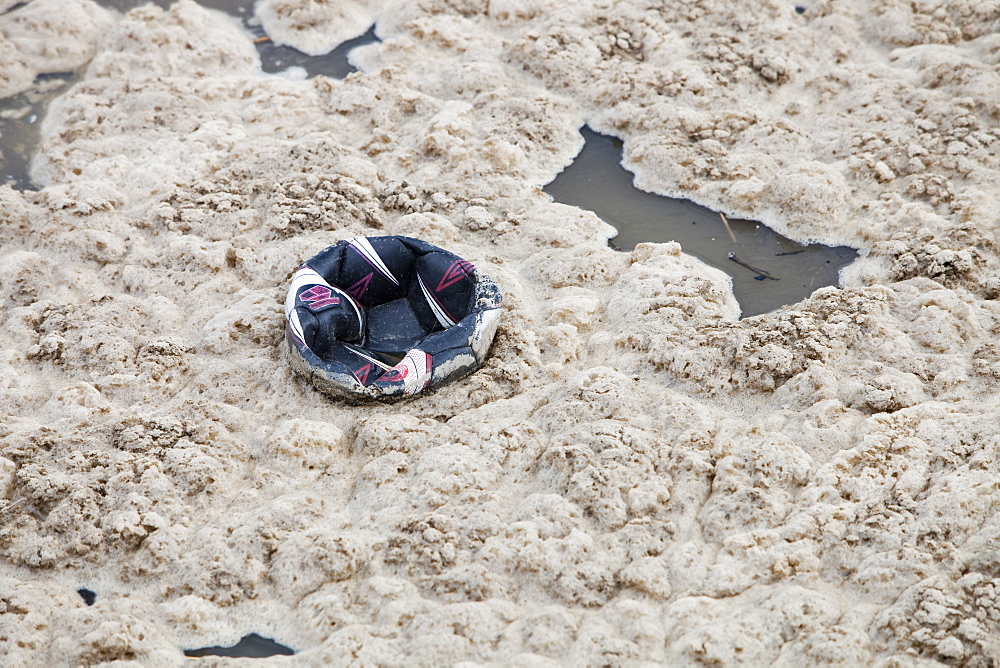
(795, 252)
(725, 221)
(761, 274)
(265, 38)
(813, 279)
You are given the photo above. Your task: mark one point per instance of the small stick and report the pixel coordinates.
(759, 272)
(813, 279)
(801, 250)
(11, 505)
(725, 221)
(265, 38)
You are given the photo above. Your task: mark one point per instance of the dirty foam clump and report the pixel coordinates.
(47, 36)
(315, 27)
(634, 474)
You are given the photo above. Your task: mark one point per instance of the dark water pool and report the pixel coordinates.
(88, 595)
(20, 123)
(768, 270)
(251, 646)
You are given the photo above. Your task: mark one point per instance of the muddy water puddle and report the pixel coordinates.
(768, 270)
(335, 64)
(251, 646)
(20, 123)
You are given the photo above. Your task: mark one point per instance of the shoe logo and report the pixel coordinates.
(458, 270)
(318, 296)
(358, 289)
(362, 373)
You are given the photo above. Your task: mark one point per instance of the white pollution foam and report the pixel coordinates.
(47, 36)
(635, 474)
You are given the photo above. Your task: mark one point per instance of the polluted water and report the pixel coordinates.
(251, 646)
(768, 270)
(20, 125)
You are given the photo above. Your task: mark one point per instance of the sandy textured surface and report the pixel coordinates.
(636, 474)
(47, 36)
